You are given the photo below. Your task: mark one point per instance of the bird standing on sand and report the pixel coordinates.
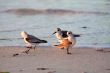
(67, 42)
(31, 40)
(71, 37)
(61, 34)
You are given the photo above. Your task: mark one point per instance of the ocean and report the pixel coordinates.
(90, 18)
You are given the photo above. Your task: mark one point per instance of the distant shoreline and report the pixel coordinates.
(29, 11)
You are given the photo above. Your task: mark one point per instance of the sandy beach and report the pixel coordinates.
(53, 60)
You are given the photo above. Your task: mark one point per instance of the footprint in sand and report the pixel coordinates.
(46, 69)
(51, 71)
(42, 68)
(108, 69)
(4, 72)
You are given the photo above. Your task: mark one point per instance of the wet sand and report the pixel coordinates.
(54, 60)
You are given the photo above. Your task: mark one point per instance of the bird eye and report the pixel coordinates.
(58, 29)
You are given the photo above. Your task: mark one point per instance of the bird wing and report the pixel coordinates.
(64, 34)
(33, 39)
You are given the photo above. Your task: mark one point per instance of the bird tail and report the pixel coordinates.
(44, 41)
(77, 35)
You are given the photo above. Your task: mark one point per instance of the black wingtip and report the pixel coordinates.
(77, 35)
(44, 41)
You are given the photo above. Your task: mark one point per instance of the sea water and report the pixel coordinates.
(90, 18)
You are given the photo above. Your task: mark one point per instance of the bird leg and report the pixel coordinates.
(27, 50)
(34, 47)
(68, 51)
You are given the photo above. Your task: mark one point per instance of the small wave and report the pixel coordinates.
(10, 39)
(20, 29)
(97, 33)
(8, 30)
(5, 39)
(27, 11)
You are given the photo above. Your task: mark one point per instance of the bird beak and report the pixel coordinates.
(54, 32)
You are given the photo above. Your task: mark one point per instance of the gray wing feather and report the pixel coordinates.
(33, 39)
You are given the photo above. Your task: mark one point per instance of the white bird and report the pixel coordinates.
(71, 37)
(31, 40)
(61, 34)
(68, 42)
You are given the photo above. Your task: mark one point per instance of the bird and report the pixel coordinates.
(65, 44)
(68, 42)
(31, 41)
(59, 35)
(62, 34)
(71, 37)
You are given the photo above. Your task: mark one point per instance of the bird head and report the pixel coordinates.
(57, 30)
(69, 33)
(24, 34)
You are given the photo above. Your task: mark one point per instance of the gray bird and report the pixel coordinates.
(31, 40)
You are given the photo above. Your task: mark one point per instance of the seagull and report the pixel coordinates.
(62, 34)
(31, 40)
(68, 42)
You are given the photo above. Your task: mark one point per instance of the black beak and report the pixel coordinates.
(54, 32)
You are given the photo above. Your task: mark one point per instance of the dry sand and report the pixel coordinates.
(53, 60)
